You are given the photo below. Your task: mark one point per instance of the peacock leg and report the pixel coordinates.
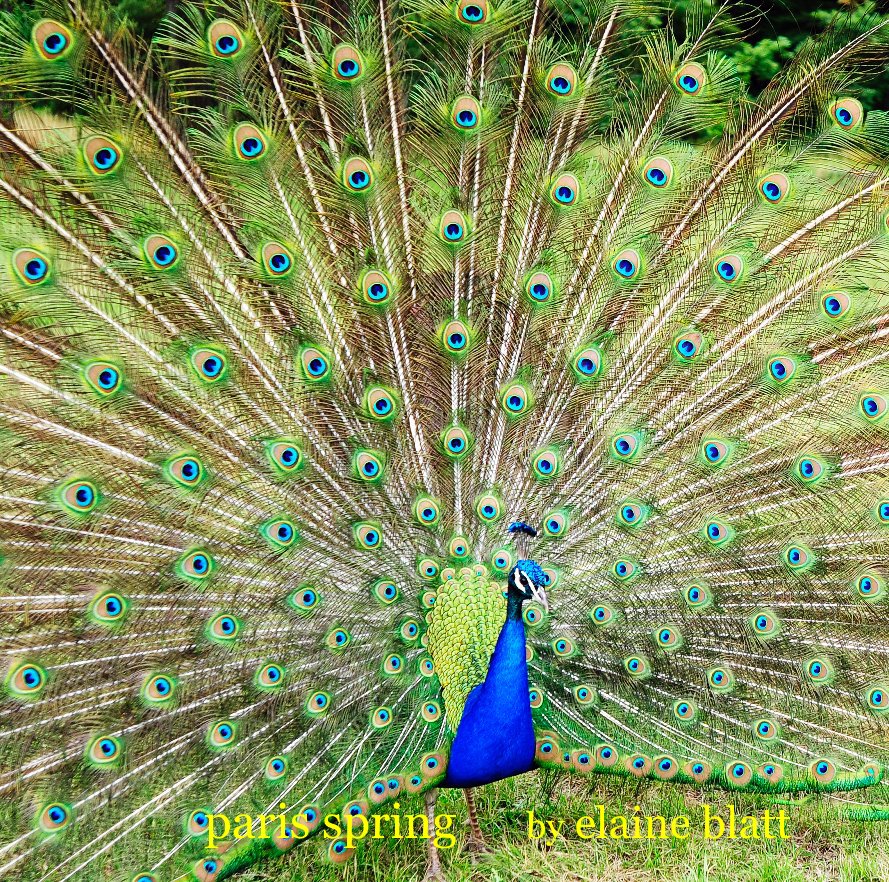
(433, 865)
(475, 843)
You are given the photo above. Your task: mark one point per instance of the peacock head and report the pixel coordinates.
(526, 582)
(526, 579)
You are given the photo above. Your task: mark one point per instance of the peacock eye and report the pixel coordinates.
(587, 363)
(729, 268)
(208, 364)
(466, 113)
(472, 12)
(285, 456)
(102, 154)
(688, 345)
(225, 39)
(774, 188)
(539, 288)
(30, 266)
(782, 368)
(357, 175)
(347, 63)
(658, 172)
(690, 78)
(51, 39)
(848, 113)
(626, 263)
(564, 190)
(376, 288)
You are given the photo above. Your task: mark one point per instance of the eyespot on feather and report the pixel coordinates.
(224, 628)
(516, 399)
(159, 689)
(728, 268)
(221, 734)
(102, 154)
(466, 114)
(31, 266)
(690, 79)
(847, 113)
(456, 339)
(270, 676)
(658, 172)
(26, 680)
(277, 260)
(561, 80)
(314, 364)
(357, 176)
(185, 470)
(367, 536)
(587, 364)
(248, 142)
(160, 252)
(472, 12)
(54, 817)
(380, 403)
(539, 288)
(196, 564)
(376, 288)
(224, 39)
(51, 39)
(109, 608)
(627, 264)
(103, 377)
(565, 191)
(453, 228)
(285, 456)
(456, 442)
(347, 64)
(79, 497)
(774, 188)
(275, 768)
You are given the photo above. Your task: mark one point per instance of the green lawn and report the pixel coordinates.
(822, 844)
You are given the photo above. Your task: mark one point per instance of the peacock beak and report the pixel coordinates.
(538, 594)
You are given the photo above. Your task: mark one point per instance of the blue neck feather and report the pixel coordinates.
(495, 738)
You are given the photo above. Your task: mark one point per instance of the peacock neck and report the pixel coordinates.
(513, 607)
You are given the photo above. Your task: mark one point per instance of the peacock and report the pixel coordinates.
(405, 395)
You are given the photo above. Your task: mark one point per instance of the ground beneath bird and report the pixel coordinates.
(822, 845)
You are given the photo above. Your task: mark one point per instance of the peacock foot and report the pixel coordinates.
(434, 874)
(476, 847)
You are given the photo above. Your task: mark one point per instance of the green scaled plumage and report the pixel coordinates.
(303, 303)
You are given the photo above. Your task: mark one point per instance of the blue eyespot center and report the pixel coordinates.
(689, 83)
(625, 267)
(164, 255)
(226, 44)
(55, 43)
(377, 291)
(466, 118)
(564, 194)
(35, 268)
(348, 67)
(472, 14)
(359, 179)
(656, 176)
(105, 157)
(771, 191)
(108, 378)
(560, 84)
(843, 116)
(726, 270)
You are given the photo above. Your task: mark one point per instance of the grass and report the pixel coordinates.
(822, 844)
